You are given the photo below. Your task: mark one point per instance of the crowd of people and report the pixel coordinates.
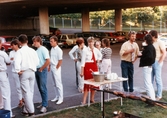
(97, 57)
(151, 60)
(29, 65)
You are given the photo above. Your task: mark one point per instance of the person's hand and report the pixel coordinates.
(40, 70)
(81, 74)
(11, 58)
(131, 50)
(75, 60)
(20, 73)
(48, 68)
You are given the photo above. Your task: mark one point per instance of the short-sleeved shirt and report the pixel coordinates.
(159, 46)
(4, 58)
(106, 53)
(43, 54)
(126, 46)
(56, 54)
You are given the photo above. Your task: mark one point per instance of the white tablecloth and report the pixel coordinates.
(97, 84)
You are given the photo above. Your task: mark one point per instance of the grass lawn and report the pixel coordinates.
(135, 107)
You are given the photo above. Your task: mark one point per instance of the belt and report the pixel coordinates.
(2, 70)
(126, 61)
(28, 70)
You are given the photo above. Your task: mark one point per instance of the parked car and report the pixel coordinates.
(140, 34)
(46, 41)
(120, 36)
(107, 35)
(164, 39)
(68, 40)
(86, 35)
(6, 40)
(54, 31)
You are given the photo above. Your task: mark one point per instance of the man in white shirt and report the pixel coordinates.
(4, 82)
(56, 57)
(25, 64)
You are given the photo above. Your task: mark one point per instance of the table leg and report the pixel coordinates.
(101, 101)
(89, 97)
(103, 105)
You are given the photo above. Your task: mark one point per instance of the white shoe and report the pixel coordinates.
(55, 99)
(59, 101)
(43, 110)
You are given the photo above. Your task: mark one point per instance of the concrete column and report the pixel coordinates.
(85, 20)
(43, 20)
(118, 19)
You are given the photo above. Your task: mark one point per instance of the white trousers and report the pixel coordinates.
(105, 66)
(80, 79)
(27, 80)
(1, 101)
(18, 86)
(57, 82)
(5, 91)
(148, 82)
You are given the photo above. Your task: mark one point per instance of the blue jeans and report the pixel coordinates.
(41, 78)
(156, 75)
(127, 72)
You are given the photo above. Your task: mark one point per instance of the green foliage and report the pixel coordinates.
(136, 15)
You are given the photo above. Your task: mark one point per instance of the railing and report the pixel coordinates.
(109, 24)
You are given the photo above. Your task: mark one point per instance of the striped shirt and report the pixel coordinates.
(106, 53)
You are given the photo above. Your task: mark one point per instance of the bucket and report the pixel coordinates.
(4, 114)
(98, 77)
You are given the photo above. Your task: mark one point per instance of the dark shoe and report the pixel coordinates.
(31, 114)
(92, 101)
(24, 114)
(20, 105)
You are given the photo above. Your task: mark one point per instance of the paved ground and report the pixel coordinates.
(71, 95)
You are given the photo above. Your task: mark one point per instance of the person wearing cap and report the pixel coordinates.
(128, 53)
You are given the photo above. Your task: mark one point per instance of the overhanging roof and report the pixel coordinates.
(26, 8)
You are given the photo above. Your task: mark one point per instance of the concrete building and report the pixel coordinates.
(24, 14)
